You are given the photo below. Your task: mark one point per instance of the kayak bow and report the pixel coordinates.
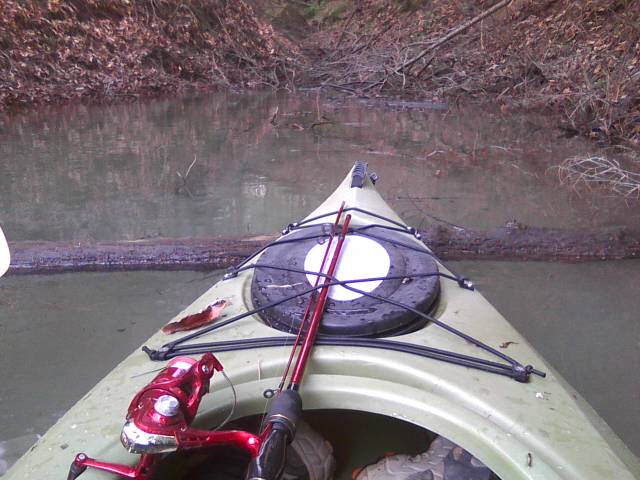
(399, 335)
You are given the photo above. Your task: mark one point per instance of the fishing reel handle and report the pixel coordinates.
(159, 419)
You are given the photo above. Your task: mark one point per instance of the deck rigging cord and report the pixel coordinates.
(512, 368)
(303, 224)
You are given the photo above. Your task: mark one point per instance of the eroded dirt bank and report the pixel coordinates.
(579, 59)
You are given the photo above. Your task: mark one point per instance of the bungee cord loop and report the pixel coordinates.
(511, 368)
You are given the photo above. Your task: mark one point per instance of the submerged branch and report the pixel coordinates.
(448, 242)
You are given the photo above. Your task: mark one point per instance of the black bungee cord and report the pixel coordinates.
(360, 230)
(518, 372)
(512, 369)
(305, 224)
(175, 344)
(294, 225)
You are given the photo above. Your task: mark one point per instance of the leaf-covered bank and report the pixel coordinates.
(579, 59)
(102, 50)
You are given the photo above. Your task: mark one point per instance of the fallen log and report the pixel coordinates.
(512, 242)
(147, 254)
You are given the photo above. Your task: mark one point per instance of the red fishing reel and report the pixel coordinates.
(167, 406)
(159, 418)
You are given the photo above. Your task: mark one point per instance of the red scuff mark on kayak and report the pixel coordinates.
(204, 317)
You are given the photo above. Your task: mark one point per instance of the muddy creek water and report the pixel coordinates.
(120, 172)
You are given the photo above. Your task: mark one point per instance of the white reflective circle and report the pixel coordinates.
(360, 257)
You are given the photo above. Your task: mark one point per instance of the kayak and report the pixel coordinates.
(402, 337)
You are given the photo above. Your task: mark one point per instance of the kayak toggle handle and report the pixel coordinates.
(358, 174)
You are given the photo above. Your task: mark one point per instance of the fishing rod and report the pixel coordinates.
(281, 420)
(307, 312)
(307, 346)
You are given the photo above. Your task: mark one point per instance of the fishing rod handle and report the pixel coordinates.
(279, 432)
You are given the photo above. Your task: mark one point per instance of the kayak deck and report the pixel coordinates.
(541, 429)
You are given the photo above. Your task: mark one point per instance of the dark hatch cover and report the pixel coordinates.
(361, 317)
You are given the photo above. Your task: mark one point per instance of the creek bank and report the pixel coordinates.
(579, 60)
(97, 51)
(511, 242)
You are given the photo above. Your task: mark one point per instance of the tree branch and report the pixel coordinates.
(465, 26)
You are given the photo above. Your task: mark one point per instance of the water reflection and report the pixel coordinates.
(112, 172)
(74, 326)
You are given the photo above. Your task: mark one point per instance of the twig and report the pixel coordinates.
(344, 29)
(321, 122)
(195, 159)
(340, 87)
(453, 33)
(184, 177)
(274, 117)
(425, 66)
(599, 171)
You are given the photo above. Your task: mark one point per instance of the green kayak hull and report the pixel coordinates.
(541, 429)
